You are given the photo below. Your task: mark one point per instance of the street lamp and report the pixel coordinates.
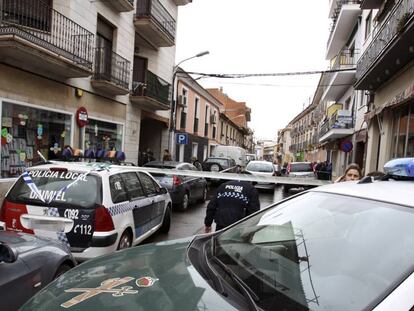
(174, 102)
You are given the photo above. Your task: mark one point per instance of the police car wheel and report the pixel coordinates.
(125, 241)
(166, 222)
(186, 202)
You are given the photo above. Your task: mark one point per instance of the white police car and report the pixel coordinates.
(112, 206)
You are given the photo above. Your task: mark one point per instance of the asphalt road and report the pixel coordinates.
(191, 222)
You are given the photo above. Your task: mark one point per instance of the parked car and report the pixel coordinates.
(345, 246)
(183, 190)
(113, 207)
(299, 169)
(217, 164)
(262, 168)
(27, 264)
(250, 157)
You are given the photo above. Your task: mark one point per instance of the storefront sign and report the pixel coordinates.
(82, 117)
(346, 146)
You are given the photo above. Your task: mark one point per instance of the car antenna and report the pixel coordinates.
(42, 157)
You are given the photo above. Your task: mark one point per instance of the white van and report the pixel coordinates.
(233, 152)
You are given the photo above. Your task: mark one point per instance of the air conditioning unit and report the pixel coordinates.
(213, 119)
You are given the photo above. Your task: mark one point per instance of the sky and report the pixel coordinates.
(260, 36)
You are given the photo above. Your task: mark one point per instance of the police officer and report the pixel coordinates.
(233, 201)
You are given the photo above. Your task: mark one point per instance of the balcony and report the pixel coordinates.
(371, 4)
(344, 17)
(340, 81)
(390, 50)
(154, 24)
(111, 74)
(151, 94)
(122, 5)
(182, 2)
(39, 39)
(339, 125)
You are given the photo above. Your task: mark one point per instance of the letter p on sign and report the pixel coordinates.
(182, 138)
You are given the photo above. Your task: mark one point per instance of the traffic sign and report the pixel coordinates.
(346, 146)
(181, 138)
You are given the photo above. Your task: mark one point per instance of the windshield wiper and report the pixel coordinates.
(252, 296)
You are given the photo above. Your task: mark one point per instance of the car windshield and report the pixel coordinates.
(53, 188)
(260, 167)
(222, 162)
(301, 167)
(321, 251)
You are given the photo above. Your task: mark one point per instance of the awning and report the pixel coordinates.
(399, 99)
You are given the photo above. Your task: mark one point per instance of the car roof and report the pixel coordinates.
(391, 191)
(260, 162)
(85, 167)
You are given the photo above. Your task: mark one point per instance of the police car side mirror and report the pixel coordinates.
(163, 190)
(7, 254)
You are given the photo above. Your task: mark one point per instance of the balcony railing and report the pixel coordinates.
(334, 123)
(111, 67)
(39, 24)
(386, 33)
(336, 13)
(155, 10)
(153, 87)
(345, 58)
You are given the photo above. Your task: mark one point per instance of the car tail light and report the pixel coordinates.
(103, 219)
(177, 180)
(10, 215)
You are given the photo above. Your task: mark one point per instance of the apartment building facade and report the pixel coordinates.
(385, 72)
(234, 130)
(197, 115)
(88, 74)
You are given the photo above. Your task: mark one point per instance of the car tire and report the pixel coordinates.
(186, 202)
(166, 222)
(62, 269)
(204, 195)
(125, 241)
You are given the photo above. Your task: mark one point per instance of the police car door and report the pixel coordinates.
(138, 200)
(155, 211)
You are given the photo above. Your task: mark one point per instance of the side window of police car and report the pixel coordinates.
(118, 189)
(150, 187)
(133, 185)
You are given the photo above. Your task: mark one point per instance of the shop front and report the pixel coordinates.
(27, 130)
(102, 135)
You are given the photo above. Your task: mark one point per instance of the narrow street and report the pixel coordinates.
(190, 222)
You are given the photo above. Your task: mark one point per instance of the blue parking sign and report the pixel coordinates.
(181, 138)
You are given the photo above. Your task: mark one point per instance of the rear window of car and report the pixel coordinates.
(260, 167)
(58, 188)
(301, 167)
(222, 162)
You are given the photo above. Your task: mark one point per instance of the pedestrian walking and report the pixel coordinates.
(167, 155)
(233, 201)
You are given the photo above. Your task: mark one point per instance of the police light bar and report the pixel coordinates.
(401, 167)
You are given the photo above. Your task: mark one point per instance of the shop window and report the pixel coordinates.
(26, 130)
(100, 135)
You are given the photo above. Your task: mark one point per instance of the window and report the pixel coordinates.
(133, 185)
(368, 25)
(194, 150)
(118, 189)
(148, 184)
(196, 114)
(103, 135)
(183, 122)
(404, 132)
(31, 130)
(206, 123)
